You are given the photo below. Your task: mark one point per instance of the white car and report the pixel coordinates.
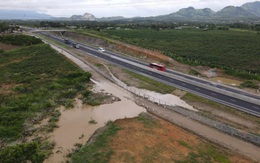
(101, 49)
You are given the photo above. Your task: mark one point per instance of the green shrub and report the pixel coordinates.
(42, 79)
(250, 84)
(20, 40)
(22, 153)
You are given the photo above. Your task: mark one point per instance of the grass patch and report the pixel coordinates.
(92, 121)
(150, 84)
(94, 99)
(153, 154)
(184, 144)
(249, 84)
(192, 97)
(206, 153)
(193, 72)
(147, 120)
(99, 150)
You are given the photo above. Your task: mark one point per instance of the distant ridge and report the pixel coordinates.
(86, 16)
(253, 7)
(233, 12)
(22, 15)
(247, 12)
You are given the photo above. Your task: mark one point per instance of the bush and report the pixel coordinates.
(250, 84)
(20, 40)
(22, 153)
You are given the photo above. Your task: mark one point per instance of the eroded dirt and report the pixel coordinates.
(159, 141)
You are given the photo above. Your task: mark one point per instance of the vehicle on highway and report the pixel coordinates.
(157, 66)
(66, 41)
(75, 45)
(101, 49)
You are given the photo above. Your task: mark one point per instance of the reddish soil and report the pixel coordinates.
(160, 141)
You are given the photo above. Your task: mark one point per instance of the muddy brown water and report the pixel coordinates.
(74, 124)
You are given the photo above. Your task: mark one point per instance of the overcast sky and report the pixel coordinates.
(107, 8)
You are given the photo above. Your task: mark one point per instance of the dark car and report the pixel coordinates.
(66, 41)
(75, 45)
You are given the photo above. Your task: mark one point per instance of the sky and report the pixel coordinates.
(109, 8)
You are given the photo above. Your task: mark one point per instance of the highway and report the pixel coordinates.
(141, 67)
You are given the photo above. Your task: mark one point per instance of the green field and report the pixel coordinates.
(34, 80)
(235, 51)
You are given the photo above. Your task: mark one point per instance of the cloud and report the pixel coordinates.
(105, 8)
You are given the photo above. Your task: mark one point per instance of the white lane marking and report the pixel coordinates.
(183, 83)
(256, 107)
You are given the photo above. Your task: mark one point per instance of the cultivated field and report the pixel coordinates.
(236, 52)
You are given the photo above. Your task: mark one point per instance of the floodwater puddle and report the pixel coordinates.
(74, 126)
(163, 99)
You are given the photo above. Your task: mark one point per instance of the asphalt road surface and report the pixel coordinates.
(138, 67)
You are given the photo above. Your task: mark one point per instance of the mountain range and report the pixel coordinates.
(248, 11)
(22, 15)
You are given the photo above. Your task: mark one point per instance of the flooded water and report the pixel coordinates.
(226, 81)
(163, 99)
(74, 124)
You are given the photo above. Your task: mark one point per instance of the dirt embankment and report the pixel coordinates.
(151, 139)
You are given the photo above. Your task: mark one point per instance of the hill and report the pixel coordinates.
(192, 13)
(233, 12)
(252, 7)
(22, 15)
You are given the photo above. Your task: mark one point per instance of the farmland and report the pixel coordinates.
(234, 51)
(35, 80)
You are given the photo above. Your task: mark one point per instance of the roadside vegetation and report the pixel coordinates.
(99, 150)
(234, 51)
(19, 40)
(34, 80)
(148, 83)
